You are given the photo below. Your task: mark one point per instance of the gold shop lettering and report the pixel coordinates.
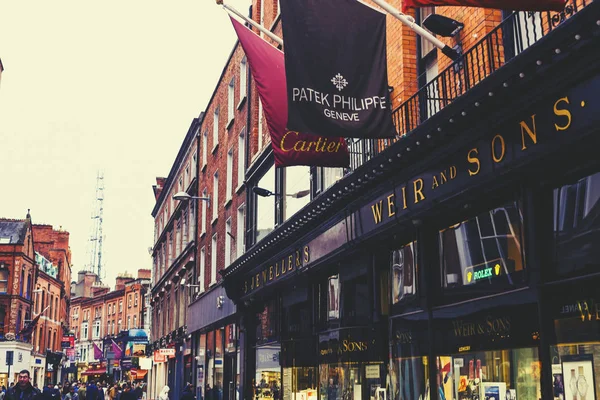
(278, 269)
(488, 326)
(419, 188)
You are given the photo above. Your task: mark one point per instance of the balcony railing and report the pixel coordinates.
(510, 38)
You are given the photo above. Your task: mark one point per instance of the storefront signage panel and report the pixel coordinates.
(558, 120)
(490, 329)
(350, 345)
(277, 270)
(576, 312)
(410, 335)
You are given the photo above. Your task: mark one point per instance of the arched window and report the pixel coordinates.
(29, 287)
(18, 328)
(56, 308)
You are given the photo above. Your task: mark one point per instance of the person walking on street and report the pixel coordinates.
(164, 393)
(23, 390)
(188, 392)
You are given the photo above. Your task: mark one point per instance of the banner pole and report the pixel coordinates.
(410, 22)
(255, 24)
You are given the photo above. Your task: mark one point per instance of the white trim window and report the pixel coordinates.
(241, 167)
(204, 212)
(215, 198)
(240, 230)
(243, 78)
(260, 125)
(96, 331)
(215, 137)
(213, 261)
(202, 268)
(204, 148)
(229, 181)
(231, 101)
(228, 236)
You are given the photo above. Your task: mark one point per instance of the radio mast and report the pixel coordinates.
(96, 237)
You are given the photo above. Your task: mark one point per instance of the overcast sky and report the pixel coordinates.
(110, 86)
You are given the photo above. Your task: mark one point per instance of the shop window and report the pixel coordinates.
(404, 273)
(325, 177)
(297, 190)
(576, 226)
(265, 206)
(218, 370)
(267, 328)
(485, 251)
(267, 380)
(333, 298)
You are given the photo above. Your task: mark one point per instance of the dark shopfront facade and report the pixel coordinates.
(469, 270)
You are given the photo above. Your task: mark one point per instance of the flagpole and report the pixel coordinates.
(255, 24)
(410, 22)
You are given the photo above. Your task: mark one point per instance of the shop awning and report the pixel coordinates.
(138, 373)
(94, 371)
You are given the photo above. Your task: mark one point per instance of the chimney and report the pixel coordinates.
(144, 273)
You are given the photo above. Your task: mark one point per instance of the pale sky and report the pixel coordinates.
(112, 86)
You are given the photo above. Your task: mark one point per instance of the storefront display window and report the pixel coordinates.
(201, 366)
(484, 251)
(333, 298)
(576, 226)
(297, 185)
(404, 268)
(409, 371)
(267, 328)
(210, 362)
(218, 370)
(267, 382)
(265, 206)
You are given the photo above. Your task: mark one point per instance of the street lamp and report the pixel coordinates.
(266, 193)
(189, 284)
(183, 196)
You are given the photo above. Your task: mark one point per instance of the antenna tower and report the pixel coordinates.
(96, 238)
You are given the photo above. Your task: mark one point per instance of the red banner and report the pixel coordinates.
(517, 5)
(289, 147)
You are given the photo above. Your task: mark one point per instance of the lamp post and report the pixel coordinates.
(183, 196)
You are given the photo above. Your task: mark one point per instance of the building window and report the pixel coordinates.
(178, 237)
(215, 197)
(204, 147)
(215, 129)
(243, 81)
(129, 300)
(228, 237)
(213, 260)
(325, 177)
(240, 230)
(575, 224)
(2, 317)
(202, 268)
(265, 206)
(120, 305)
(241, 166)
(128, 322)
(297, 183)
(192, 220)
(484, 252)
(119, 325)
(135, 321)
(185, 228)
(96, 332)
(84, 331)
(404, 272)
(204, 211)
(230, 101)
(229, 181)
(135, 301)
(3, 278)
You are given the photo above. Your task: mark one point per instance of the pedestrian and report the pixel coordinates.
(23, 390)
(164, 393)
(188, 393)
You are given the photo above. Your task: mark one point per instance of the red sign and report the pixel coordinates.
(159, 357)
(67, 342)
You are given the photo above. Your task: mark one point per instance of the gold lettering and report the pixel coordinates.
(435, 183)
(276, 271)
(474, 160)
(270, 272)
(391, 205)
(562, 113)
(290, 265)
(531, 133)
(264, 275)
(310, 144)
(418, 190)
(452, 172)
(283, 269)
(331, 147)
(290, 261)
(283, 140)
(257, 283)
(337, 148)
(302, 143)
(306, 254)
(376, 208)
(404, 206)
(502, 148)
(443, 178)
(298, 258)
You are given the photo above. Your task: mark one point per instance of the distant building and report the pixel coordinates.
(101, 316)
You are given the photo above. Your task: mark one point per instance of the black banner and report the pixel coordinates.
(336, 69)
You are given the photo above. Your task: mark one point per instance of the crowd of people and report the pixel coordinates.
(24, 390)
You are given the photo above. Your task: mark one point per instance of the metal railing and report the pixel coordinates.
(510, 38)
